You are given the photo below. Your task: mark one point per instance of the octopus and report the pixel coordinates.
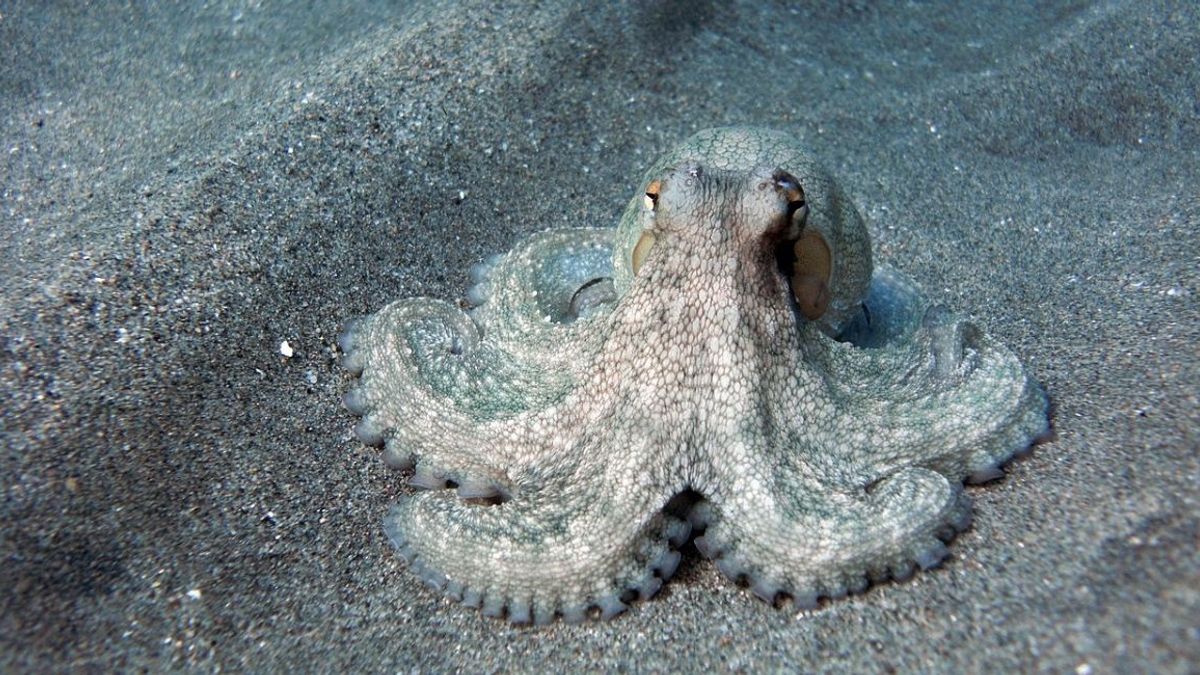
(726, 369)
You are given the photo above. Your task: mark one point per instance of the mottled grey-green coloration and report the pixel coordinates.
(594, 410)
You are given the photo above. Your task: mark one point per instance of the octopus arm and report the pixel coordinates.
(576, 547)
(432, 388)
(550, 290)
(789, 531)
(937, 392)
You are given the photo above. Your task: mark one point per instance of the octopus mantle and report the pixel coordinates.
(726, 367)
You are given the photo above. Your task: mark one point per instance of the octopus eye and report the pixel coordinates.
(652, 191)
(644, 244)
(789, 186)
(810, 274)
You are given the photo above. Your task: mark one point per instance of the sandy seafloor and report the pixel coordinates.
(184, 189)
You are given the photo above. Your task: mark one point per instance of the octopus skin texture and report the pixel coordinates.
(726, 367)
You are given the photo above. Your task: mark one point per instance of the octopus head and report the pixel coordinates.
(752, 201)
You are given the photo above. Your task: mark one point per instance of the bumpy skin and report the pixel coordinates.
(589, 433)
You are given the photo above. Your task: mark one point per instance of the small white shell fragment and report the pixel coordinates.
(286, 349)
